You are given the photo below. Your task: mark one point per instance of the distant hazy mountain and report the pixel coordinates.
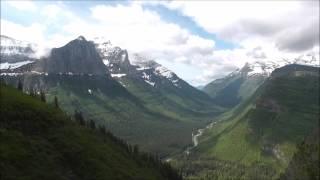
(200, 87)
(15, 53)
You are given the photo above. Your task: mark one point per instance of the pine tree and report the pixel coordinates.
(79, 118)
(56, 103)
(92, 124)
(32, 92)
(43, 96)
(20, 85)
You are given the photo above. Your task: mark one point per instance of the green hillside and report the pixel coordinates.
(141, 115)
(184, 103)
(38, 141)
(258, 138)
(305, 162)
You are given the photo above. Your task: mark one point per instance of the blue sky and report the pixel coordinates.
(199, 40)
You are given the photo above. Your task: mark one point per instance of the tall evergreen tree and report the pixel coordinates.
(92, 124)
(32, 92)
(20, 85)
(79, 118)
(56, 103)
(42, 96)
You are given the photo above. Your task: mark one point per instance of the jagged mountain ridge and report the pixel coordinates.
(242, 83)
(141, 75)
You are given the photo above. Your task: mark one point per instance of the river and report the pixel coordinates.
(195, 137)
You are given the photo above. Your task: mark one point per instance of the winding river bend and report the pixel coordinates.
(195, 137)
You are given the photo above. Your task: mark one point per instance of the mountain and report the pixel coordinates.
(39, 141)
(242, 83)
(77, 57)
(146, 77)
(238, 85)
(200, 87)
(258, 138)
(15, 53)
(108, 89)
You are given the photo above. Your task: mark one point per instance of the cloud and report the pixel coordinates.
(51, 11)
(257, 53)
(31, 33)
(275, 21)
(300, 39)
(25, 5)
(143, 31)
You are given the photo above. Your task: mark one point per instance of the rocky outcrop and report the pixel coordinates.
(78, 57)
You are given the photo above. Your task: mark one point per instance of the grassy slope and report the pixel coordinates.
(264, 135)
(41, 142)
(305, 162)
(185, 104)
(149, 119)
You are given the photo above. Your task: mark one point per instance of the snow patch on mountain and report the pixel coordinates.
(144, 63)
(142, 68)
(147, 79)
(261, 68)
(160, 70)
(7, 65)
(118, 75)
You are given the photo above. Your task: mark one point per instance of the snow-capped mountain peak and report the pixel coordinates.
(11, 46)
(265, 68)
(153, 68)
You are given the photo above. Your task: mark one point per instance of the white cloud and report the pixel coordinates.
(239, 21)
(143, 31)
(51, 11)
(31, 33)
(264, 30)
(25, 5)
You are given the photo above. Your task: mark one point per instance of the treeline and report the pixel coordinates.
(37, 94)
(143, 158)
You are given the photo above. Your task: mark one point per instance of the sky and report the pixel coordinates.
(199, 40)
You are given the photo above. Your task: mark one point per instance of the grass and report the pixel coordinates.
(38, 141)
(142, 115)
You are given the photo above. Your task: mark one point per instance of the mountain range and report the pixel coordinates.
(236, 87)
(139, 103)
(254, 123)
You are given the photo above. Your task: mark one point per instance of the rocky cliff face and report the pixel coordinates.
(77, 57)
